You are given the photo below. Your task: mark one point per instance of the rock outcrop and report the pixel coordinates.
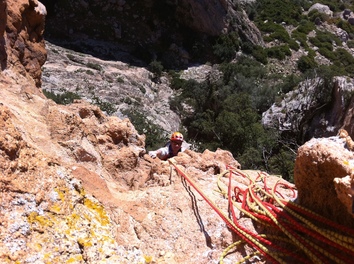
(323, 175)
(322, 9)
(120, 84)
(314, 109)
(23, 37)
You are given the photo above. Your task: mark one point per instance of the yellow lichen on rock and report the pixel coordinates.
(42, 220)
(99, 209)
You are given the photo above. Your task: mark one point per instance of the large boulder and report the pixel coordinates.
(323, 175)
(321, 9)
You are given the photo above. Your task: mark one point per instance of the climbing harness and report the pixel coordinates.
(298, 235)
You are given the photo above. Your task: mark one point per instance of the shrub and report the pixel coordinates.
(311, 53)
(89, 72)
(306, 63)
(64, 98)
(263, 97)
(107, 107)
(315, 41)
(283, 163)
(279, 11)
(73, 58)
(279, 52)
(155, 135)
(128, 100)
(226, 46)
(294, 45)
(247, 67)
(345, 25)
(120, 80)
(247, 47)
(289, 83)
(329, 54)
(281, 34)
(301, 37)
(305, 27)
(350, 44)
(345, 61)
(94, 66)
(156, 68)
(260, 54)
(327, 37)
(177, 82)
(314, 16)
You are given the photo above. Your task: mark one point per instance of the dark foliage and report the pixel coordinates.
(107, 107)
(64, 98)
(227, 114)
(154, 134)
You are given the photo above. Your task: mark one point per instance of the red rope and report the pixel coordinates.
(259, 193)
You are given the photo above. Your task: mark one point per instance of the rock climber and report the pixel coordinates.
(172, 148)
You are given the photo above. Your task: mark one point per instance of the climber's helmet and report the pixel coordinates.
(177, 136)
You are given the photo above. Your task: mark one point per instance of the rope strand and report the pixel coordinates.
(300, 239)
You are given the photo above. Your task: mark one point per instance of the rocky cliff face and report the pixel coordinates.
(117, 83)
(175, 32)
(23, 37)
(77, 187)
(313, 111)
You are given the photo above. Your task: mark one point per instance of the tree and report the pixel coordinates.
(156, 68)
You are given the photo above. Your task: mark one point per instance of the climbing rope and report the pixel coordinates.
(298, 235)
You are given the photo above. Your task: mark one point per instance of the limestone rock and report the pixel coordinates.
(322, 9)
(303, 110)
(23, 37)
(203, 16)
(45, 209)
(117, 83)
(323, 175)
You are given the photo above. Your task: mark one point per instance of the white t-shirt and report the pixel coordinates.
(166, 152)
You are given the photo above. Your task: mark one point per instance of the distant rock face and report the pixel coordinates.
(23, 37)
(203, 16)
(313, 111)
(151, 29)
(122, 85)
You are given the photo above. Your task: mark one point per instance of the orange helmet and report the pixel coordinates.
(177, 136)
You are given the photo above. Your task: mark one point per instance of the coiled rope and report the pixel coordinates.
(298, 234)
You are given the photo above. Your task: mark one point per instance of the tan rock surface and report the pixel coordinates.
(323, 175)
